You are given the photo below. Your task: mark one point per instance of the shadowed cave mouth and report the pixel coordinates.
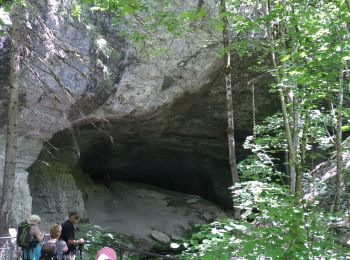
(154, 162)
(191, 165)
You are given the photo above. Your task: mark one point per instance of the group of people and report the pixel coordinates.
(62, 239)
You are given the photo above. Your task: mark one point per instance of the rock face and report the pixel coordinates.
(95, 107)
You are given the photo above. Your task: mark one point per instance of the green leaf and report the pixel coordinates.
(218, 25)
(294, 73)
(128, 9)
(7, 7)
(225, 14)
(346, 58)
(285, 58)
(303, 54)
(201, 13)
(345, 128)
(96, 8)
(76, 11)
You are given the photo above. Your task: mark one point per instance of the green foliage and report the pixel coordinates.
(142, 20)
(5, 21)
(258, 167)
(277, 229)
(192, 15)
(255, 196)
(76, 11)
(345, 128)
(146, 25)
(269, 144)
(98, 237)
(213, 241)
(5, 14)
(310, 43)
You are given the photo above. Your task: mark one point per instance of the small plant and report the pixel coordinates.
(258, 167)
(98, 238)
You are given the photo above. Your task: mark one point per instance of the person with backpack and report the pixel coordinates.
(68, 234)
(54, 248)
(29, 237)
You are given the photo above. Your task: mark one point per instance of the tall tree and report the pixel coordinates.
(11, 132)
(338, 142)
(291, 133)
(228, 84)
(226, 36)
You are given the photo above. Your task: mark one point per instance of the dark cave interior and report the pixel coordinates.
(145, 162)
(185, 164)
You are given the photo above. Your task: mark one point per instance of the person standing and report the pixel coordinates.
(54, 248)
(68, 234)
(34, 252)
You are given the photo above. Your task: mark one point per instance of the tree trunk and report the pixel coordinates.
(228, 82)
(253, 110)
(347, 4)
(295, 170)
(229, 102)
(11, 133)
(338, 144)
(296, 150)
(304, 139)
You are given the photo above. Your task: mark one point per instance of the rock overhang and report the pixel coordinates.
(176, 100)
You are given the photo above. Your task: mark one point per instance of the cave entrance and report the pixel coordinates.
(149, 162)
(76, 167)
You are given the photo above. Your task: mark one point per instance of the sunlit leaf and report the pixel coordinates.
(345, 128)
(285, 58)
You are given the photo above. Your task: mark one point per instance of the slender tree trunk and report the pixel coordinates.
(346, 179)
(228, 79)
(304, 139)
(293, 176)
(253, 110)
(296, 117)
(296, 130)
(346, 176)
(347, 4)
(338, 144)
(11, 133)
(230, 114)
(293, 163)
(296, 141)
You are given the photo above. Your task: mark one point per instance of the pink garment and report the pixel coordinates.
(106, 253)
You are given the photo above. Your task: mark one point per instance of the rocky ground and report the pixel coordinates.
(146, 212)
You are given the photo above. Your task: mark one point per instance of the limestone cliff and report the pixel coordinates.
(94, 105)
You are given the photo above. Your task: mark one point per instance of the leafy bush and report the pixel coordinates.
(98, 237)
(279, 230)
(258, 167)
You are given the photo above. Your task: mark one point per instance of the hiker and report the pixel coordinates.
(33, 252)
(106, 253)
(68, 234)
(54, 248)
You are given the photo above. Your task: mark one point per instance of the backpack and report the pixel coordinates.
(25, 236)
(49, 251)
